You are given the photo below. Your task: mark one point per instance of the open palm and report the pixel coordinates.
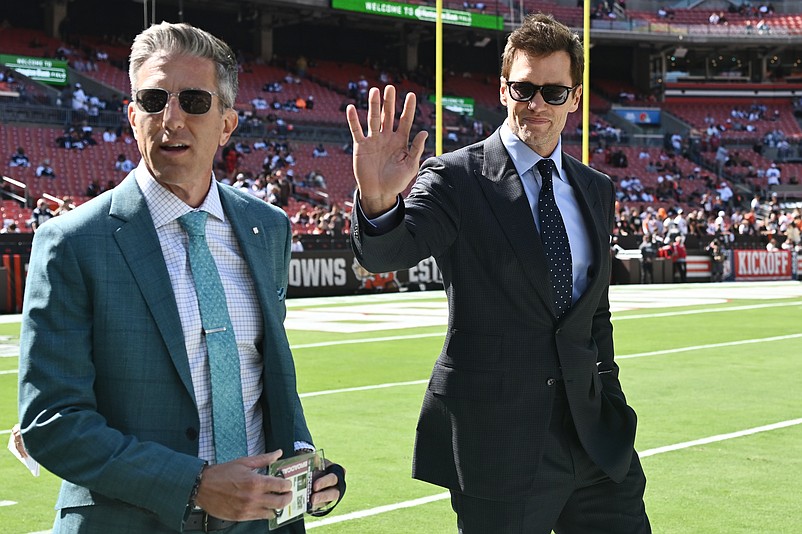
(384, 161)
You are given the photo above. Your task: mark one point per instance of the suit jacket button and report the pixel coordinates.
(551, 381)
(191, 433)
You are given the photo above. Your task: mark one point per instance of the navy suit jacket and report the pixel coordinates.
(106, 397)
(487, 407)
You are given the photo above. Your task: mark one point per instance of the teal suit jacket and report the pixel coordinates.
(106, 399)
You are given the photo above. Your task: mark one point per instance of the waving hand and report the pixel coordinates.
(384, 161)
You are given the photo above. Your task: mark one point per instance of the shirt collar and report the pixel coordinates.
(523, 157)
(165, 207)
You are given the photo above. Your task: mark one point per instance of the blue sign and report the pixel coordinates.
(639, 115)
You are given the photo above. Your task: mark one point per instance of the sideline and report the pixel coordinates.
(645, 454)
(614, 319)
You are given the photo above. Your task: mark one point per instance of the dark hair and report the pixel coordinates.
(540, 35)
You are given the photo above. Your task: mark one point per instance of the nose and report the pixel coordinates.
(173, 116)
(537, 100)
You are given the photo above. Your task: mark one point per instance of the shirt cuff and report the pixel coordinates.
(302, 445)
(384, 222)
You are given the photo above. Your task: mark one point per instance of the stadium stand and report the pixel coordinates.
(688, 178)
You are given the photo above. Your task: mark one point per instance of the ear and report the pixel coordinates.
(132, 117)
(575, 98)
(502, 91)
(230, 121)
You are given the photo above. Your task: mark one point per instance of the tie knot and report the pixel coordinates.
(544, 167)
(194, 222)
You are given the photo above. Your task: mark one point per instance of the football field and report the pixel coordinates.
(713, 370)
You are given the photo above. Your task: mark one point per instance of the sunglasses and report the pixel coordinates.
(192, 101)
(556, 95)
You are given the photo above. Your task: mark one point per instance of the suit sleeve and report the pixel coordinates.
(427, 223)
(58, 408)
(602, 328)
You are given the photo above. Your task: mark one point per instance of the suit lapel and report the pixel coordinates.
(588, 197)
(505, 193)
(253, 239)
(139, 244)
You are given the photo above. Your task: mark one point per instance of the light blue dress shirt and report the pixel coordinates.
(524, 159)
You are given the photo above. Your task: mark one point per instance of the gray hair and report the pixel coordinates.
(182, 39)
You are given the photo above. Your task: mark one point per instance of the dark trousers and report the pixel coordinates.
(571, 496)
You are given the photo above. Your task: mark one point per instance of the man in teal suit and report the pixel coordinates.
(115, 394)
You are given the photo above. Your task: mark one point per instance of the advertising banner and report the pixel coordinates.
(51, 71)
(328, 273)
(751, 265)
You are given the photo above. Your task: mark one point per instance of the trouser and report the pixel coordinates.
(571, 496)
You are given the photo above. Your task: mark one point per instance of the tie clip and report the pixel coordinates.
(214, 330)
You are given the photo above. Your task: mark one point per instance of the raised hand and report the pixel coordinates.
(384, 161)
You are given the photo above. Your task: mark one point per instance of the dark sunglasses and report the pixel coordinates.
(556, 95)
(192, 101)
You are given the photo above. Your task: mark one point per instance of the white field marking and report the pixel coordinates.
(7, 503)
(624, 318)
(370, 317)
(366, 313)
(708, 310)
(645, 454)
(362, 388)
(720, 437)
(9, 372)
(366, 340)
(621, 357)
(709, 346)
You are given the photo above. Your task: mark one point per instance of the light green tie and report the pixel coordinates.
(228, 416)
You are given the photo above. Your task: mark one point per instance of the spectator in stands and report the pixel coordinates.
(109, 136)
(11, 228)
(45, 170)
(67, 204)
(259, 104)
(79, 99)
(40, 214)
(773, 175)
(19, 159)
(124, 164)
(297, 245)
(93, 189)
(726, 194)
(301, 216)
(320, 151)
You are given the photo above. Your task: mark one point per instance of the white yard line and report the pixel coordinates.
(709, 346)
(361, 388)
(365, 340)
(360, 514)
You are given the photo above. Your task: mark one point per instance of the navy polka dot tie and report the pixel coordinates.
(228, 415)
(555, 240)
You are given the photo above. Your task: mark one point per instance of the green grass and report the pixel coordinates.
(726, 383)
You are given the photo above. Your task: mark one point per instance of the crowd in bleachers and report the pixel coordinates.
(687, 176)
